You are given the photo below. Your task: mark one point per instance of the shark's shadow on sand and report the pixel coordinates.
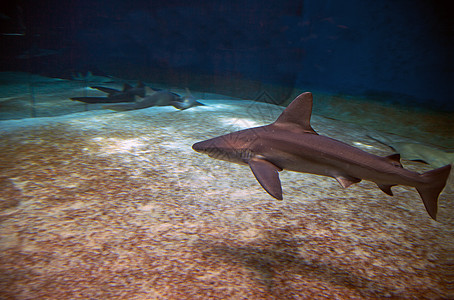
(275, 260)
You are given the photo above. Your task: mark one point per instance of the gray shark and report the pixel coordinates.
(290, 143)
(113, 95)
(128, 91)
(157, 98)
(187, 101)
(416, 151)
(89, 77)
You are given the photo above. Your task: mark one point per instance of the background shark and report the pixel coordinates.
(187, 101)
(114, 96)
(416, 151)
(291, 143)
(90, 78)
(158, 98)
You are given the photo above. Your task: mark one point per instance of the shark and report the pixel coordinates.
(187, 101)
(89, 77)
(158, 98)
(127, 94)
(416, 151)
(290, 143)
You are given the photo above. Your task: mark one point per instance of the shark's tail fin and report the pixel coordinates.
(429, 191)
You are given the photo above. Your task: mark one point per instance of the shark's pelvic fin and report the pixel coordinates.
(267, 174)
(386, 189)
(346, 181)
(298, 113)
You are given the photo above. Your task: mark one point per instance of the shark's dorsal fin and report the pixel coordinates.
(149, 91)
(126, 86)
(140, 84)
(346, 180)
(188, 92)
(394, 159)
(298, 113)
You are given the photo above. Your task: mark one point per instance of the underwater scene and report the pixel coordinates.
(226, 149)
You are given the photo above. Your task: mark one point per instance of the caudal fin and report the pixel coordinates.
(429, 191)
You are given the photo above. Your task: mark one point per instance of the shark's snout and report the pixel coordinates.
(209, 148)
(199, 147)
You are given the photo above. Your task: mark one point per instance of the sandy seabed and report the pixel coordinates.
(101, 205)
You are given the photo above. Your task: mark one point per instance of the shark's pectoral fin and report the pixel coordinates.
(386, 188)
(345, 181)
(267, 174)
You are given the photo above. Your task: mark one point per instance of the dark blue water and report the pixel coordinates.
(390, 51)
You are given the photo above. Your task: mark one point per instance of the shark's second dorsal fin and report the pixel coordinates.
(126, 86)
(298, 113)
(394, 159)
(149, 91)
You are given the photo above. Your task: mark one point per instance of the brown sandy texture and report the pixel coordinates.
(118, 206)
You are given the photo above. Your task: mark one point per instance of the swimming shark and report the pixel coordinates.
(291, 143)
(158, 98)
(127, 94)
(187, 101)
(416, 151)
(89, 77)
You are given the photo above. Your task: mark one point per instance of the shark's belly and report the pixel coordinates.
(367, 167)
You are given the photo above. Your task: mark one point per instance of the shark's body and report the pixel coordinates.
(128, 91)
(90, 78)
(290, 143)
(127, 94)
(158, 98)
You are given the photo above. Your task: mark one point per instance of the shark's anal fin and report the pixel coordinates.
(346, 181)
(267, 174)
(386, 189)
(393, 159)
